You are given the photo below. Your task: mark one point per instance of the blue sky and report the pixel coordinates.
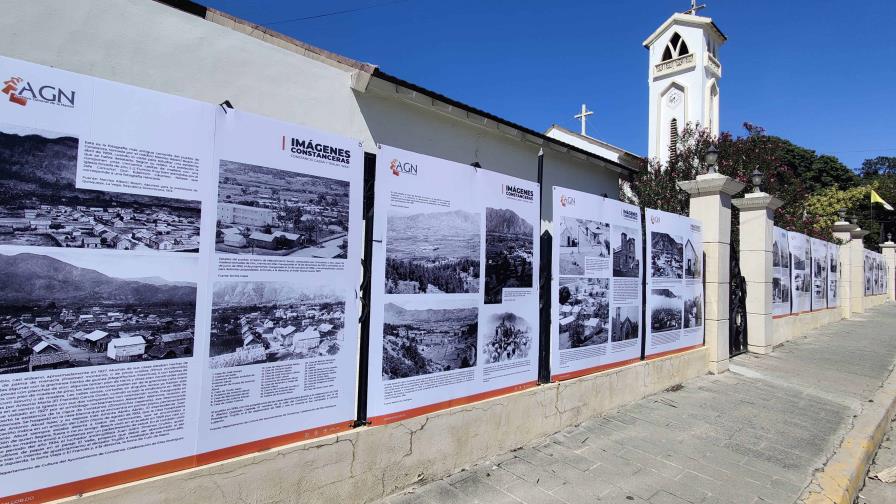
(818, 72)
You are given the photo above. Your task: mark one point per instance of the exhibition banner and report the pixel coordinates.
(780, 273)
(454, 299)
(596, 315)
(674, 283)
(103, 195)
(820, 265)
(800, 269)
(869, 272)
(175, 293)
(283, 304)
(833, 274)
(875, 274)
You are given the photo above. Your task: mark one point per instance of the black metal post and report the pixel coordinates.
(544, 286)
(642, 327)
(366, 262)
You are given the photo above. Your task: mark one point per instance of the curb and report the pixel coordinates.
(844, 474)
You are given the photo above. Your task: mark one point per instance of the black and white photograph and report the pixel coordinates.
(780, 290)
(432, 252)
(780, 254)
(693, 310)
(422, 337)
(693, 262)
(70, 308)
(801, 281)
(272, 212)
(626, 251)
(256, 322)
(581, 238)
(626, 323)
(507, 337)
(819, 277)
(584, 311)
(40, 204)
(666, 310)
(666, 255)
(799, 262)
(508, 253)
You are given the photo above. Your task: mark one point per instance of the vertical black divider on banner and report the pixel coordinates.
(366, 262)
(703, 281)
(644, 258)
(544, 285)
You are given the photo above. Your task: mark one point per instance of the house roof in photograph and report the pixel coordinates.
(129, 341)
(96, 335)
(567, 320)
(178, 336)
(288, 236)
(40, 347)
(261, 236)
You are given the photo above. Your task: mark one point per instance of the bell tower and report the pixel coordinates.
(683, 77)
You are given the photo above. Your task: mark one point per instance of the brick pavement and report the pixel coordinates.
(754, 435)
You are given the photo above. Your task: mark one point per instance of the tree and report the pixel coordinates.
(881, 165)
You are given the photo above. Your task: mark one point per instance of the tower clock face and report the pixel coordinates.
(674, 98)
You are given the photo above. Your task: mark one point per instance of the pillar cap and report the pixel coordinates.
(858, 233)
(888, 245)
(711, 183)
(844, 227)
(757, 201)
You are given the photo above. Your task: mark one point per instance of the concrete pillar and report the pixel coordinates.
(857, 271)
(889, 251)
(843, 232)
(711, 205)
(757, 214)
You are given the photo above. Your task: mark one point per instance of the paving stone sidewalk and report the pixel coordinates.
(876, 491)
(754, 435)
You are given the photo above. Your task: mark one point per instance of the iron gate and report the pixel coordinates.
(737, 306)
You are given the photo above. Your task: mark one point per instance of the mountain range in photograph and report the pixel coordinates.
(432, 253)
(508, 253)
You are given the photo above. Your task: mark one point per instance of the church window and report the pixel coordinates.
(675, 48)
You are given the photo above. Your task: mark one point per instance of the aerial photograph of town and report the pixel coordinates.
(69, 308)
(581, 238)
(257, 322)
(667, 255)
(40, 205)
(507, 337)
(432, 253)
(666, 306)
(266, 211)
(418, 340)
(508, 253)
(584, 311)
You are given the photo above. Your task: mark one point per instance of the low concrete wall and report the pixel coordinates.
(872, 301)
(367, 463)
(797, 325)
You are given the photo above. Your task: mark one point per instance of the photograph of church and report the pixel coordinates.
(626, 252)
(626, 323)
(581, 238)
(692, 262)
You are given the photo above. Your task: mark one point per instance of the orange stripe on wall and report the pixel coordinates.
(596, 369)
(451, 403)
(672, 352)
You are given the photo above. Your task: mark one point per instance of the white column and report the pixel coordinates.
(757, 212)
(843, 232)
(711, 204)
(857, 271)
(889, 251)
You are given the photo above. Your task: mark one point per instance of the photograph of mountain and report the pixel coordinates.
(432, 253)
(266, 211)
(257, 322)
(508, 337)
(418, 340)
(581, 238)
(508, 253)
(69, 308)
(667, 255)
(40, 205)
(666, 310)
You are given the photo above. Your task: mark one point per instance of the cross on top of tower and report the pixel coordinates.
(694, 8)
(583, 117)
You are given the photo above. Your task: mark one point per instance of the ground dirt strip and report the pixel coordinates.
(757, 434)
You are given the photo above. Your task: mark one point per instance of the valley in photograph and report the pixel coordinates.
(508, 253)
(432, 253)
(64, 310)
(267, 211)
(584, 311)
(666, 310)
(257, 322)
(418, 340)
(507, 337)
(667, 255)
(581, 238)
(40, 205)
